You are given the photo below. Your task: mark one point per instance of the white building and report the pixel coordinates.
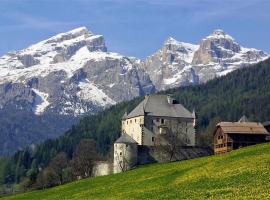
(156, 115)
(159, 114)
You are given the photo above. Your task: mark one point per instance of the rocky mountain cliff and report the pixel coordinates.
(72, 74)
(178, 63)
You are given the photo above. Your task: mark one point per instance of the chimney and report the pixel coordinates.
(169, 99)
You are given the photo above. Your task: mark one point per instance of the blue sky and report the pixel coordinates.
(134, 27)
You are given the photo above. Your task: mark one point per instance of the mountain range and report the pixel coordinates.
(56, 81)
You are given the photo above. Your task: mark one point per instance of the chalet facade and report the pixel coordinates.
(233, 135)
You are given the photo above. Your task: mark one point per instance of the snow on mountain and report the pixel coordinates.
(40, 102)
(61, 64)
(171, 65)
(91, 92)
(178, 63)
(220, 54)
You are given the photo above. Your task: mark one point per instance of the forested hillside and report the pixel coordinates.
(245, 91)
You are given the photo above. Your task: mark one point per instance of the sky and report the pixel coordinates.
(135, 27)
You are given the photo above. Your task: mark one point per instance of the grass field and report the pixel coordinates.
(242, 174)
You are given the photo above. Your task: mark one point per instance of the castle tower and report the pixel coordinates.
(125, 153)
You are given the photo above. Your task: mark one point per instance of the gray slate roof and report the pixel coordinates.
(125, 138)
(158, 105)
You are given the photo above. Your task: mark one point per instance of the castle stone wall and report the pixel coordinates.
(102, 168)
(125, 156)
(151, 154)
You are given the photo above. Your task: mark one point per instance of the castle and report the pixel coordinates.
(155, 116)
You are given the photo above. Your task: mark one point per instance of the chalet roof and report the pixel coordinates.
(242, 128)
(160, 105)
(125, 138)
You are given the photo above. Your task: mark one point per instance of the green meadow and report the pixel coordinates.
(241, 174)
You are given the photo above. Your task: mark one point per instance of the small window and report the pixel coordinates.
(127, 122)
(135, 120)
(120, 153)
(153, 139)
(162, 121)
(130, 121)
(126, 145)
(157, 120)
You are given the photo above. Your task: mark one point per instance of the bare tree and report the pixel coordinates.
(58, 164)
(84, 158)
(47, 178)
(173, 135)
(121, 160)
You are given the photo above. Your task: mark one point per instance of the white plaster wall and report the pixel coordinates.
(102, 168)
(147, 137)
(133, 128)
(175, 124)
(125, 157)
(145, 128)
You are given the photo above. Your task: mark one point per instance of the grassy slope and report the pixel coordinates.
(242, 174)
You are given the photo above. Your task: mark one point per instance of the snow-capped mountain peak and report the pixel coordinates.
(54, 71)
(72, 73)
(173, 42)
(219, 34)
(219, 54)
(178, 63)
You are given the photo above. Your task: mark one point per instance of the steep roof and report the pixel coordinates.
(242, 128)
(160, 105)
(125, 138)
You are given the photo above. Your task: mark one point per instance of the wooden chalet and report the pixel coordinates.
(233, 135)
